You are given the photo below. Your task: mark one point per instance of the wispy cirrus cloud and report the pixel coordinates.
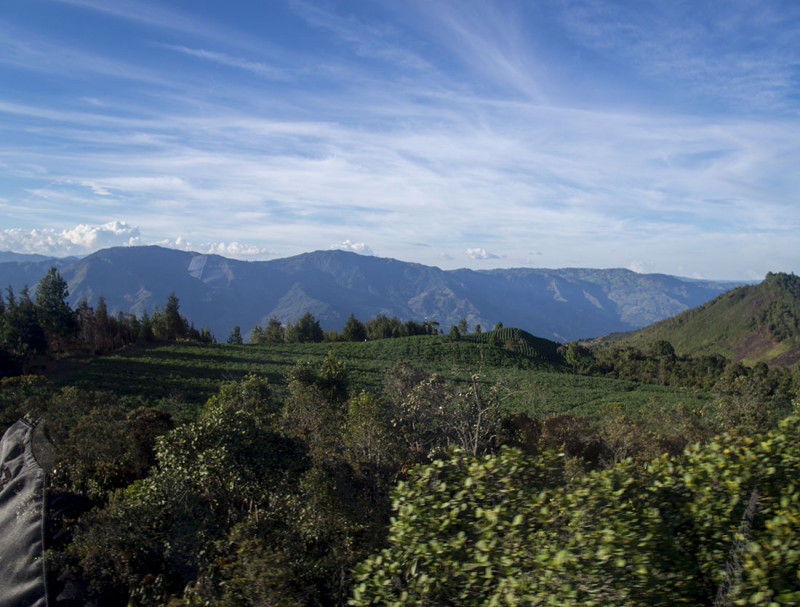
(368, 39)
(256, 67)
(22, 49)
(489, 39)
(697, 46)
(158, 16)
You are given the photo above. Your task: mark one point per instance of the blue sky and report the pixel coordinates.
(661, 136)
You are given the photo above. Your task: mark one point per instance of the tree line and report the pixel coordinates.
(307, 329)
(659, 364)
(46, 324)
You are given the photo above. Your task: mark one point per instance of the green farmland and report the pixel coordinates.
(538, 384)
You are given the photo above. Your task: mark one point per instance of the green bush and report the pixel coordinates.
(507, 529)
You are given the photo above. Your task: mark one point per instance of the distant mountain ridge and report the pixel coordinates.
(752, 323)
(27, 257)
(218, 293)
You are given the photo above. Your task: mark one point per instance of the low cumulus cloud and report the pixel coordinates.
(480, 254)
(80, 240)
(638, 266)
(85, 239)
(356, 247)
(236, 250)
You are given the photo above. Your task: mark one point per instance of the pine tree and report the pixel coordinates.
(235, 338)
(53, 312)
(354, 329)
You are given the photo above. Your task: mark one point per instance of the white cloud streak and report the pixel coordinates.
(256, 67)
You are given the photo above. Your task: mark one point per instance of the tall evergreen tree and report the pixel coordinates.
(274, 332)
(257, 335)
(175, 324)
(306, 329)
(354, 329)
(145, 328)
(235, 338)
(53, 312)
(22, 334)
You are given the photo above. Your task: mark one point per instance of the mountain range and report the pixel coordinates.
(218, 293)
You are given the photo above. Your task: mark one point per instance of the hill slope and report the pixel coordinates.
(219, 293)
(751, 323)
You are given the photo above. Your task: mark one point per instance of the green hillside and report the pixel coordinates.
(516, 340)
(185, 375)
(750, 324)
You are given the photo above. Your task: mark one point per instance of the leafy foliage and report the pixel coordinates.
(458, 532)
(507, 529)
(757, 391)
(210, 474)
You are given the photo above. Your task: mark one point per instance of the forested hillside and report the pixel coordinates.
(750, 323)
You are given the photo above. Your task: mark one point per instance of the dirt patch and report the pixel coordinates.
(787, 359)
(753, 345)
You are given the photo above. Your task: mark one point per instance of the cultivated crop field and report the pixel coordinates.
(536, 384)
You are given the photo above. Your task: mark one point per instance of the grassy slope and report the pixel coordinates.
(539, 385)
(752, 323)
